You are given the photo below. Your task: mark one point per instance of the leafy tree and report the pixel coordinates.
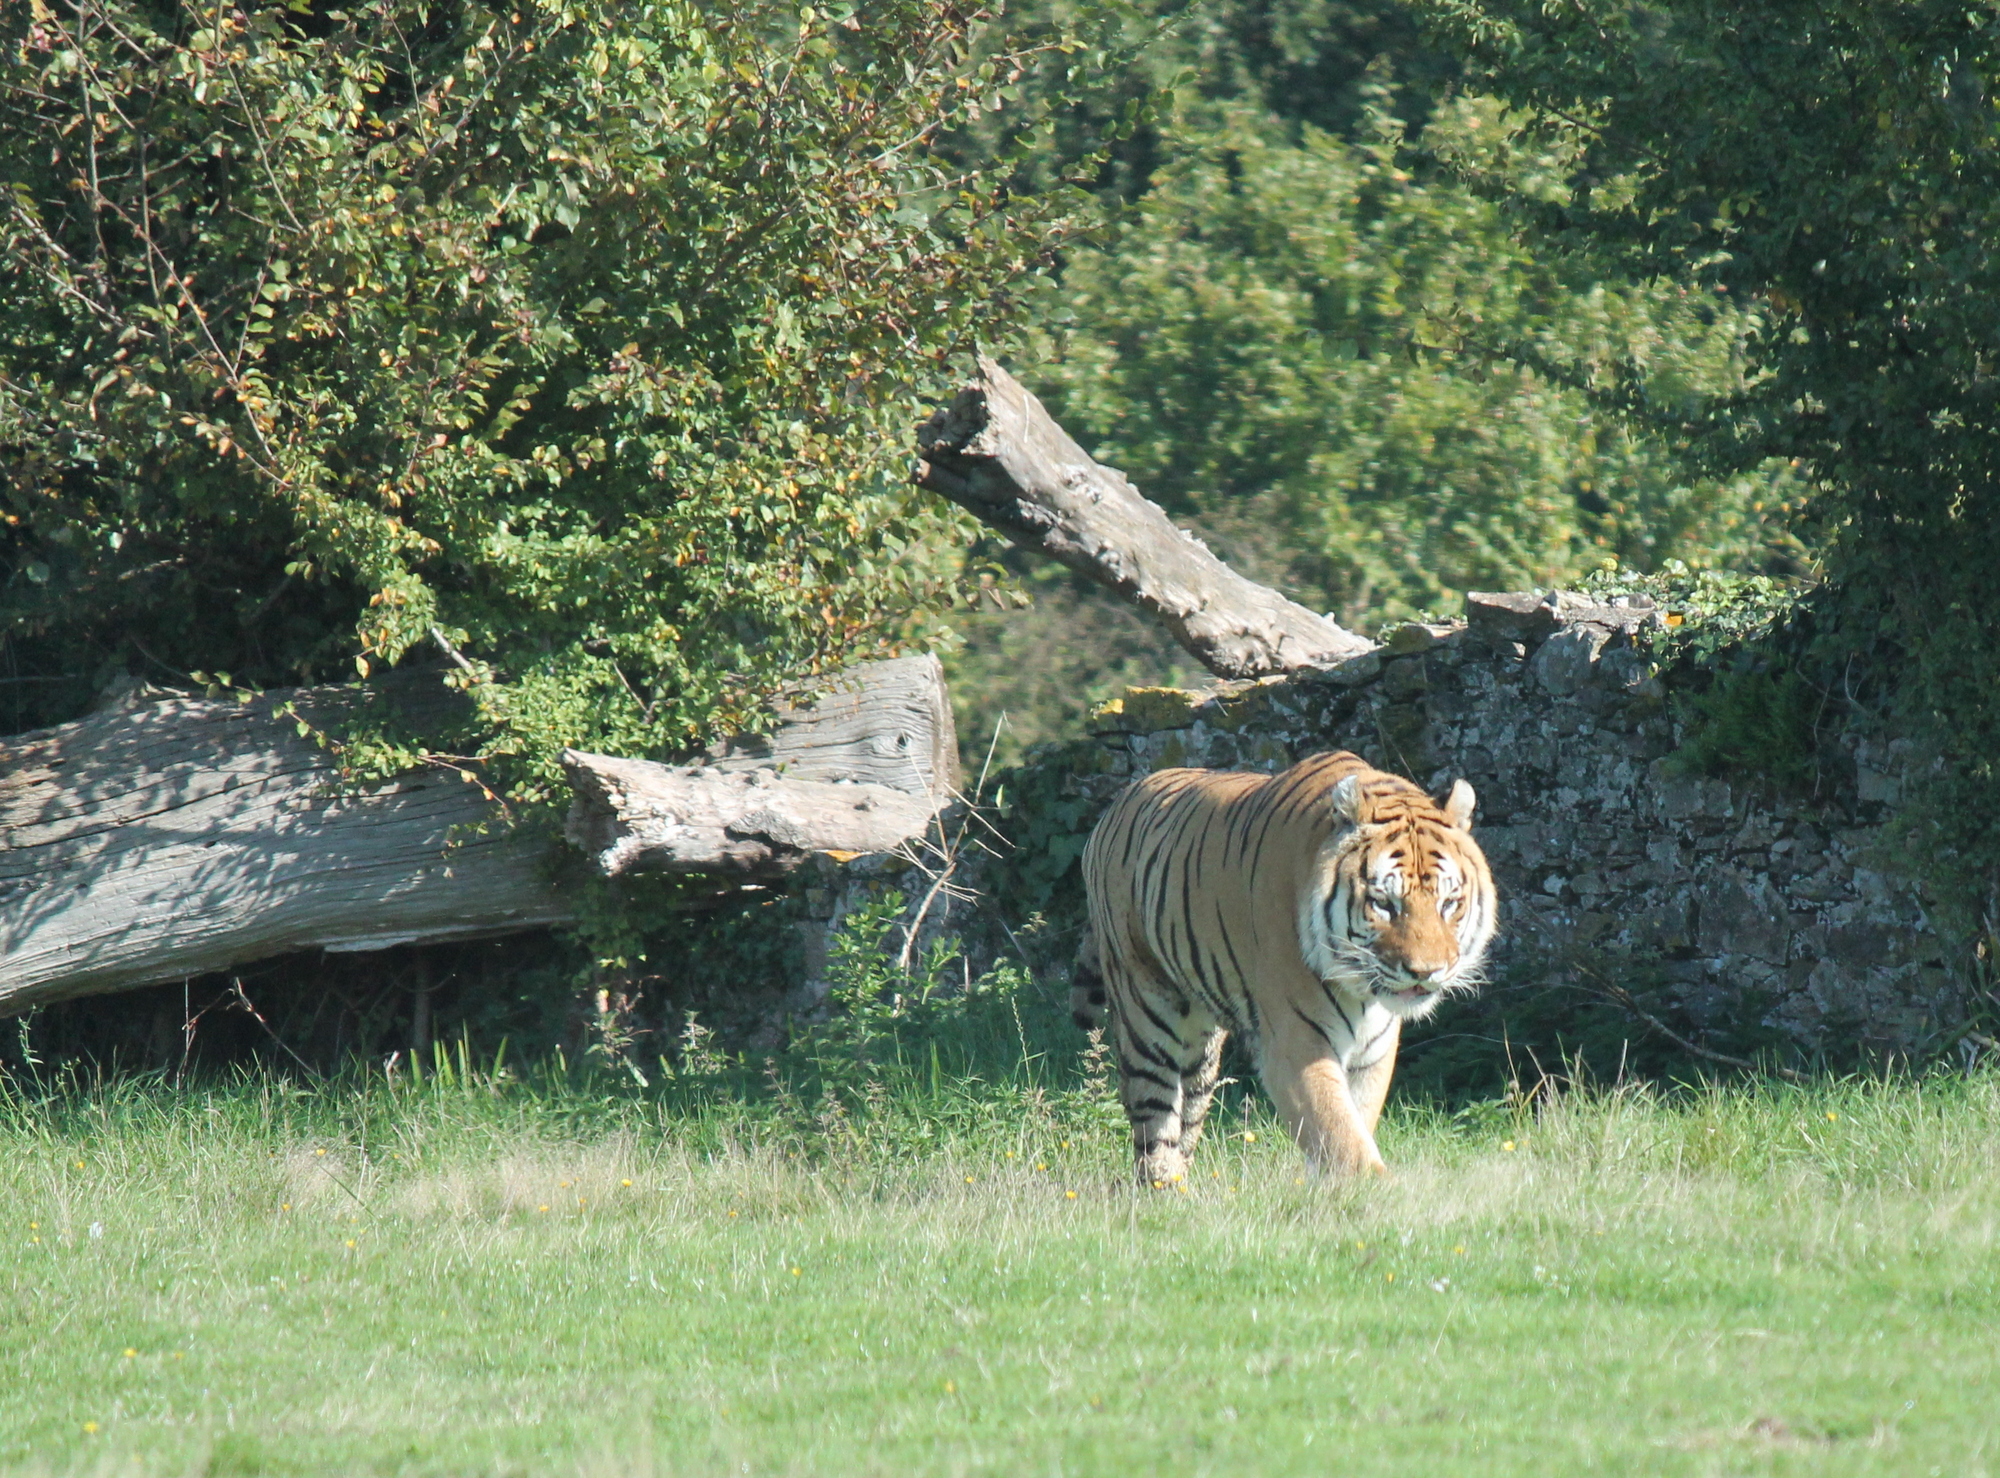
(1301, 346)
(1293, 62)
(1313, 340)
(581, 339)
(1833, 167)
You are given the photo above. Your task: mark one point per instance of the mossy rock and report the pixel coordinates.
(1269, 702)
(1146, 711)
(1169, 752)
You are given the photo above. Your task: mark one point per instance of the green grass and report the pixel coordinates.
(550, 1277)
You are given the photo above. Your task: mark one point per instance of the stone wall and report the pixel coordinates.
(1732, 906)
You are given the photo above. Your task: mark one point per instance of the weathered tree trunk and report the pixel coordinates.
(997, 453)
(188, 835)
(631, 816)
(876, 723)
(863, 768)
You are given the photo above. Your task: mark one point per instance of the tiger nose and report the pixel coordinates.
(1431, 969)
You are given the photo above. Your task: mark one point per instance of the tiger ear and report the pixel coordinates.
(1345, 799)
(1458, 805)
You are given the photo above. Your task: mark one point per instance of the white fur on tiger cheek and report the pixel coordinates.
(1474, 926)
(1328, 953)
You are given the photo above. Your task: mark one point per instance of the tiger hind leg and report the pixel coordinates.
(1169, 1056)
(1086, 986)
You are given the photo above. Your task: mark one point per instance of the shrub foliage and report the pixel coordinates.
(1833, 166)
(578, 338)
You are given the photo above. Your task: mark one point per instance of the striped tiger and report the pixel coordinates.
(1312, 912)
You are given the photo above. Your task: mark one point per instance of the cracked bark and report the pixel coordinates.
(178, 837)
(997, 453)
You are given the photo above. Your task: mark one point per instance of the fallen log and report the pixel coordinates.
(996, 452)
(877, 723)
(630, 815)
(860, 766)
(190, 835)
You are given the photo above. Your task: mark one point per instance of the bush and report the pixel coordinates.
(580, 340)
(1865, 246)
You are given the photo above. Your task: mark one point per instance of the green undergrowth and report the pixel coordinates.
(1766, 673)
(558, 1272)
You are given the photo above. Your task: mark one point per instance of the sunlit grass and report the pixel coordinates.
(556, 1278)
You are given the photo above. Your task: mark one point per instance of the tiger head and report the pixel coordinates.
(1401, 908)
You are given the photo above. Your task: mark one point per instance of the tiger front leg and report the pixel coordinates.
(1199, 1080)
(1316, 1101)
(1369, 1072)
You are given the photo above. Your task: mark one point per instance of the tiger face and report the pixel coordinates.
(1397, 917)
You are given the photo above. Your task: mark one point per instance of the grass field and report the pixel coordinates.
(489, 1276)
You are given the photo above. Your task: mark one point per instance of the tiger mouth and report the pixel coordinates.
(1412, 993)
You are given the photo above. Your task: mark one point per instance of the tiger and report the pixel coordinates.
(1310, 912)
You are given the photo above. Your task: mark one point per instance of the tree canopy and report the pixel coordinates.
(1313, 329)
(1832, 167)
(580, 339)
(1337, 361)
